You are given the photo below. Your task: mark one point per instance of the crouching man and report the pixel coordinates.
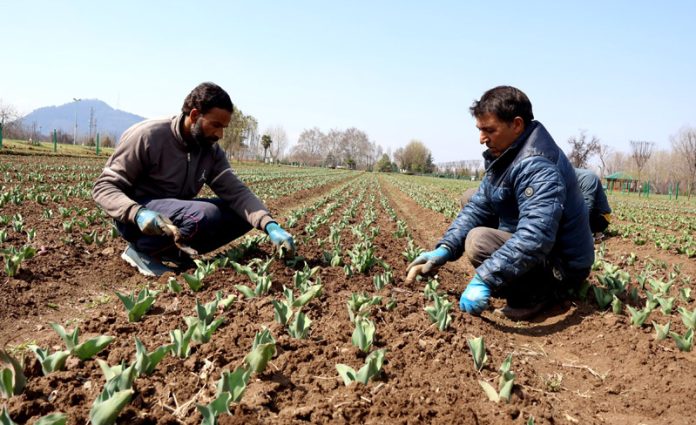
(159, 166)
(526, 229)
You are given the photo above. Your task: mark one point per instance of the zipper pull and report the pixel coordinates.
(188, 156)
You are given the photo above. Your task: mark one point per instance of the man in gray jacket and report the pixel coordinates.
(526, 229)
(159, 166)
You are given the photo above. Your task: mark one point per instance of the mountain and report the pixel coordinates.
(109, 121)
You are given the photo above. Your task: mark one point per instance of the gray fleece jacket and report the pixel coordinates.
(154, 161)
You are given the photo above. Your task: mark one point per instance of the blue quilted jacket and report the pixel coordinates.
(531, 191)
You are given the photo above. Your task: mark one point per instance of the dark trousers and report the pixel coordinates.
(205, 225)
(544, 282)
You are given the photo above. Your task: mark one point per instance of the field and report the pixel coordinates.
(596, 359)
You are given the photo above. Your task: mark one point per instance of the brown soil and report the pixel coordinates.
(574, 364)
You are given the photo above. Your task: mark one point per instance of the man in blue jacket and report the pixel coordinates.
(526, 229)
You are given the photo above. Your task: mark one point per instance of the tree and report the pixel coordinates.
(684, 143)
(582, 149)
(280, 141)
(384, 164)
(266, 142)
(308, 149)
(12, 127)
(416, 157)
(641, 152)
(603, 152)
(241, 128)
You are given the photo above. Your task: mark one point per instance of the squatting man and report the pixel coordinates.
(526, 229)
(159, 166)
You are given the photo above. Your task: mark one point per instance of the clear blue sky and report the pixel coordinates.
(398, 70)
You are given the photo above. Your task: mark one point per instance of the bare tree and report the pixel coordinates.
(11, 122)
(641, 152)
(684, 143)
(582, 149)
(309, 147)
(603, 153)
(280, 141)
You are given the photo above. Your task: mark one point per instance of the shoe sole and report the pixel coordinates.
(130, 261)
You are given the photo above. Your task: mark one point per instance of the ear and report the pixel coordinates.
(517, 125)
(194, 115)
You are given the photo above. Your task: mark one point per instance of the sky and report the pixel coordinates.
(397, 70)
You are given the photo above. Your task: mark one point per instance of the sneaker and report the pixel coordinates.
(145, 264)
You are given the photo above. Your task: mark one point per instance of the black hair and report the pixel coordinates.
(205, 97)
(506, 103)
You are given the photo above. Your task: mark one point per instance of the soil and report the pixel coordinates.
(572, 364)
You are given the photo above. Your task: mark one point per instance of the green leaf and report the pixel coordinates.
(616, 305)
(363, 334)
(347, 373)
(688, 317)
(478, 352)
(70, 340)
(311, 292)
(7, 389)
(194, 281)
(226, 302)
(19, 380)
(145, 363)
(182, 341)
(234, 383)
(5, 418)
(259, 357)
(106, 412)
(52, 363)
(603, 297)
(638, 317)
(91, 347)
(299, 326)
(137, 307)
(211, 411)
(110, 372)
(506, 390)
(52, 419)
(373, 364)
(173, 285)
(684, 343)
(661, 331)
(281, 312)
(490, 391)
(246, 291)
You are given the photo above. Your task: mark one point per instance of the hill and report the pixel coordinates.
(109, 121)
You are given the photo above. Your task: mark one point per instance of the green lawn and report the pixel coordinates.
(23, 147)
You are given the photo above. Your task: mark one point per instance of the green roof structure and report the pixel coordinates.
(620, 175)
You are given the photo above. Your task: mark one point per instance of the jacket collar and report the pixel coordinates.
(511, 152)
(177, 126)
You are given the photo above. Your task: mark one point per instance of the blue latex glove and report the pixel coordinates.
(427, 262)
(153, 223)
(475, 297)
(280, 237)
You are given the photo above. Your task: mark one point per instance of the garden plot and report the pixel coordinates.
(333, 335)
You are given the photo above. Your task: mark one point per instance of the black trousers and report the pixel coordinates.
(545, 282)
(205, 225)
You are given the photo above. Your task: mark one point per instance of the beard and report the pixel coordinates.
(200, 137)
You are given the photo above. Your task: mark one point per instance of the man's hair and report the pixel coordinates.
(506, 103)
(205, 97)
